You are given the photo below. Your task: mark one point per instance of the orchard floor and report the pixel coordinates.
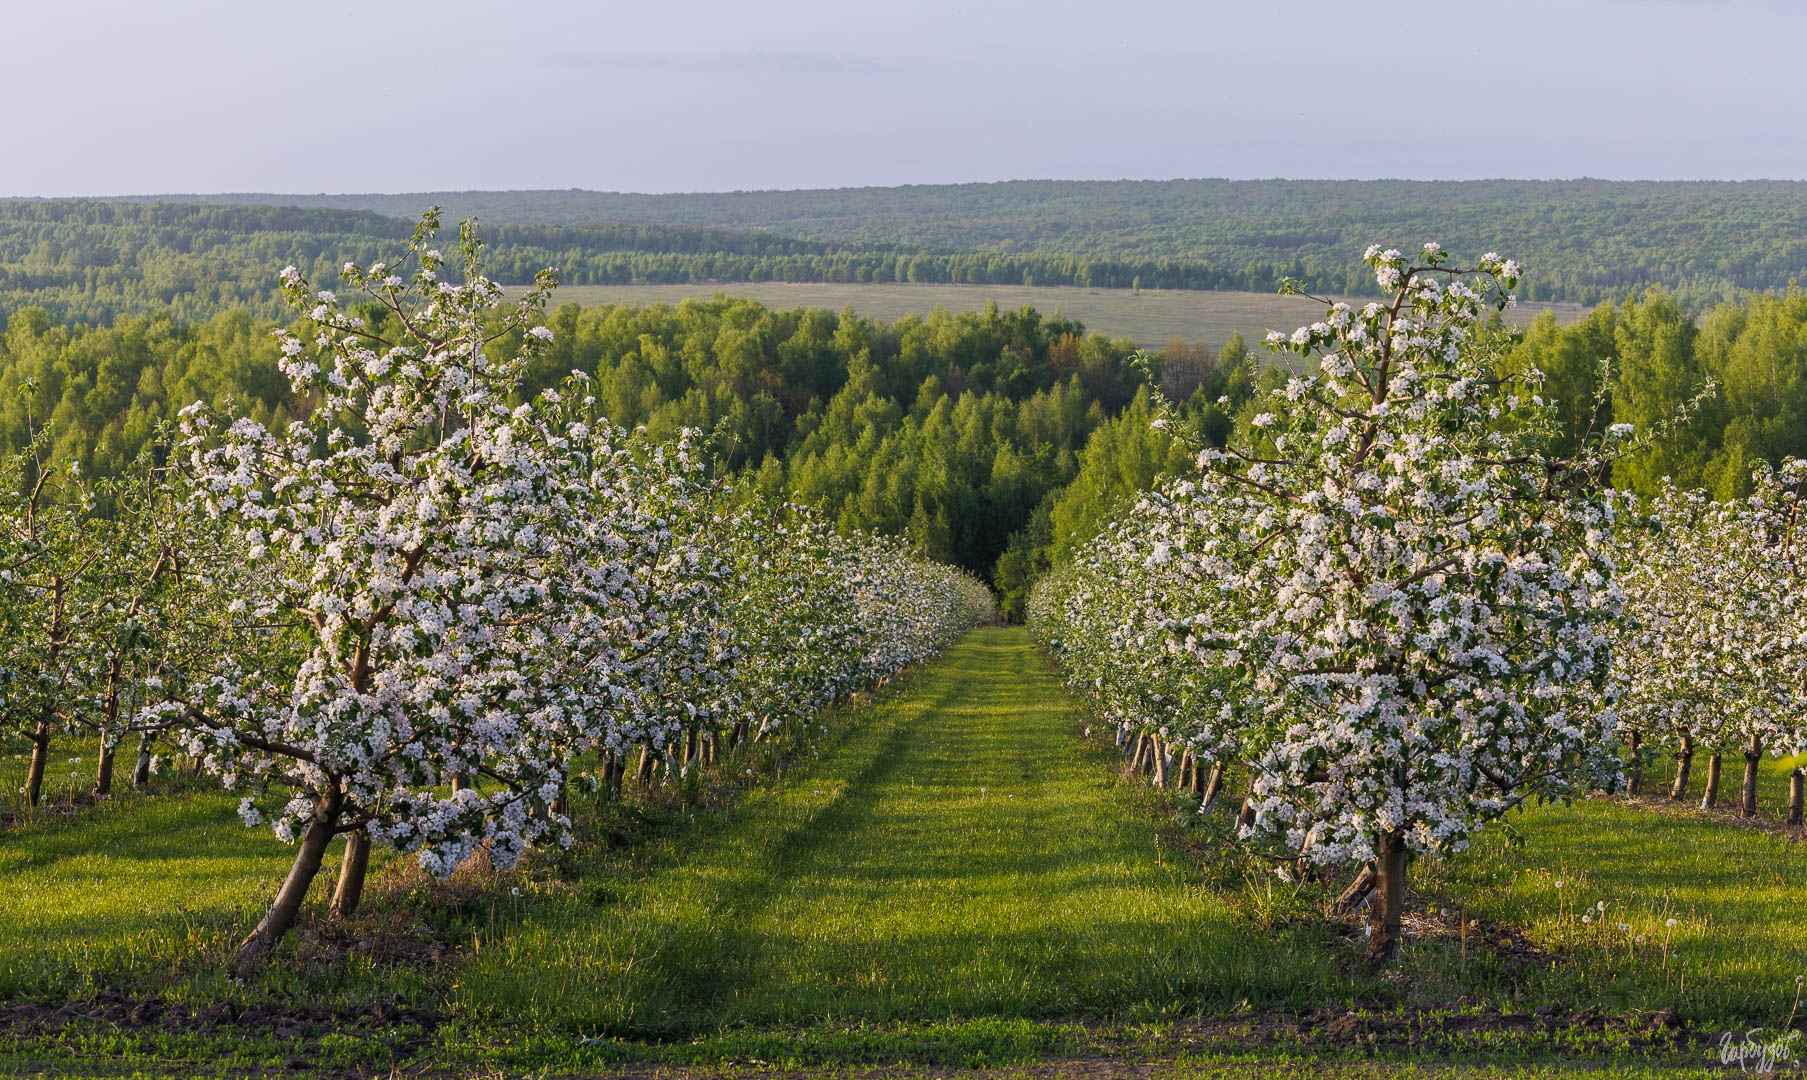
(948, 878)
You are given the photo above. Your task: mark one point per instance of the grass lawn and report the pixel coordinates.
(1736, 953)
(947, 877)
(961, 856)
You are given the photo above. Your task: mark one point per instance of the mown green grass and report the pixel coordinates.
(147, 895)
(1739, 939)
(960, 855)
(947, 877)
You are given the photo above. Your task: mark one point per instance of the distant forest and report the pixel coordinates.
(90, 261)
(995, 440)
(1584, 240)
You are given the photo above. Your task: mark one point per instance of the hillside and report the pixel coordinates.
(1584, 240)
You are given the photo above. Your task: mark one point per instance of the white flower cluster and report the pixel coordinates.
(1713, 652)
(1390, 604)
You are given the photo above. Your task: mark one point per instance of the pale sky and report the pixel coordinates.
(108, 97)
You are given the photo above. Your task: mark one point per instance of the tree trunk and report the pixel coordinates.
(1213, 787)
(287, 905)
(1711, 798)
(1186, 771)
(612, 771)
(737, 733)
(1246, 816)
(40, 757)
(1753, 756)
(1357, 893)
(644, 774)
(353, 867)
(1388, 903)
(1684, 762)
(1797, 781)
(1160, 763)
(141, 770)
(460, 782)
(1634, 783)
(103, 774)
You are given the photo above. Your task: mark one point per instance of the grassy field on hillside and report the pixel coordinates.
(1149, 318)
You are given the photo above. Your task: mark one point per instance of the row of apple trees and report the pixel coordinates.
(416, 617)
(1402, 615)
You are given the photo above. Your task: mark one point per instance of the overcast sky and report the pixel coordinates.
(139, 97)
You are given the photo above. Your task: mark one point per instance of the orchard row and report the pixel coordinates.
(419, 615)
(1404, 614)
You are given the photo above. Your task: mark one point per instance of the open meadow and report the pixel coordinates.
(1148, 317)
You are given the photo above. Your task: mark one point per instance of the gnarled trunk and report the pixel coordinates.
(1353, 897)
(287, 905)
(1711, 798)
(1753, 756)
(1213, 787)
(40, 757)
(1684, 763)
(103, 772)
(354, 865)
(141, 770)
(1388, 902)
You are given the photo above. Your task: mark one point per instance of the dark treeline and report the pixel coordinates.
(92, 262)
(1586, 241)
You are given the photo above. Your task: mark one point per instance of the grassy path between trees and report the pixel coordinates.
(960, 855)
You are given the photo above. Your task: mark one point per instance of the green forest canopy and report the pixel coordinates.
(88, 261)
(1583, 240)
(994, 440)
(950, 429)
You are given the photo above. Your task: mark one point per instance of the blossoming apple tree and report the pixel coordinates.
(444, 597)
(1400, 592)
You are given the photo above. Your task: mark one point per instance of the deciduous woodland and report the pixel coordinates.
(1589, 241)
